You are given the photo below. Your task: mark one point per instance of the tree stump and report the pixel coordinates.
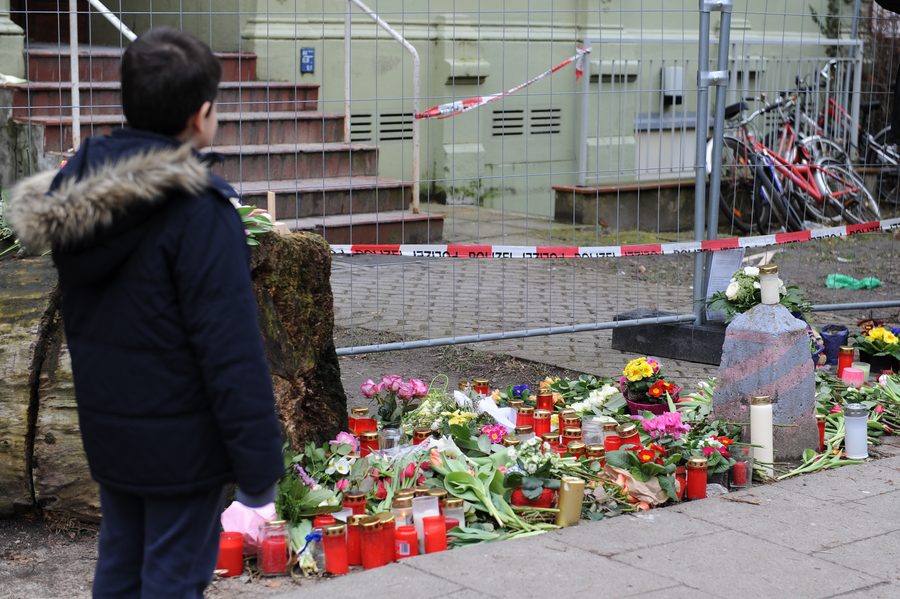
(42, 463)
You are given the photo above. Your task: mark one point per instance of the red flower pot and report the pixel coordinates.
(546, 499)
(637, 407)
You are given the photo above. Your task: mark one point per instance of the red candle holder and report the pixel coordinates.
(845, 359)
(334, 542)
(354, 555)
(388, 529)
(545, 401)
(541, 422)
(355, 501)
(570, 434)
(406, 542)
(231, 553)
(323, 520)
(696, 478)
(628, 435)
(481, 386)
(353, 421)
(612, 442)
(371, 543)
(820, 423)
(420, 435)
(272, 556)
(435, 529)
(368, 442)
(525, 416)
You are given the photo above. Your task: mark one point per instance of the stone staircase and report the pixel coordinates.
(271, 137)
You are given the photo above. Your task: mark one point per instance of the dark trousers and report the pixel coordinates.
(157, 546)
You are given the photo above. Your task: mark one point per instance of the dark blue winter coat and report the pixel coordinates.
(171, 382)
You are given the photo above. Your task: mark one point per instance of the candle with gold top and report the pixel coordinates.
(571, 496)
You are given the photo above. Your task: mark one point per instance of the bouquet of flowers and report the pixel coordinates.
(743, 292)
(643, 382)
(715, 449)
(668, 432)
(879, 341)
(606, 398)
(534, 468)
(395, 397)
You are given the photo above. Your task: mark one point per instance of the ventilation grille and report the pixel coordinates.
(508, 123)
(395, 126)
(545, 121)
(361, 127)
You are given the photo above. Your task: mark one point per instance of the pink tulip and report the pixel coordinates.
(381, 493)
(408, 472)
(421, 480)
(405, 391)
(342, 485)
(879, 409)
(391, 382)
(420, 389)
(370, 388)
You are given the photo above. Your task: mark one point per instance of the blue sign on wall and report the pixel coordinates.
(307, 60)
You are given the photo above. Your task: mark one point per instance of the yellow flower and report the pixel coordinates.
(878, 333)
(457, 417)
(889, 338)
(637, 369)
(554, 420)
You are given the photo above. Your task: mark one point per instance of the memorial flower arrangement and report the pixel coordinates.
(534, 468)
(743, 292)
(879, 341)
(668, 432)
(395, 397)
(643, 382)
(599, 401)
(715, 449)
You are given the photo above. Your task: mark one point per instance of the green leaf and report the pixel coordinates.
(667, 483)
(484, 444)
(620, 459)
(808, 455)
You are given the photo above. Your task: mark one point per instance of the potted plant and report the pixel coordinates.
(880, 347)
(532, 477)
(719, 461)
(645, 388)
(667, 432)
(743, 293)
(649, 468)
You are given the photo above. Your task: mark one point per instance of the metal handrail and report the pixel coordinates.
(416, 76)
(73, 58)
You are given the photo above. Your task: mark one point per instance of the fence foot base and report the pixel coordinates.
(680, 341)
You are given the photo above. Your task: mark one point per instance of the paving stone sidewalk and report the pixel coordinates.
(830, 534)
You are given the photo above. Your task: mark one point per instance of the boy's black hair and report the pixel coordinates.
(167, 75)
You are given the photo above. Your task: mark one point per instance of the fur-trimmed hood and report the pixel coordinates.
(88, 197)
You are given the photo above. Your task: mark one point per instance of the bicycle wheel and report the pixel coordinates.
(845, 192)
(776, 211)
(888, 185)
(738, 196)
(818, 147)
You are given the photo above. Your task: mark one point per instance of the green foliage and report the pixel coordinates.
(256, 222)
(572, 389)
(829, 23)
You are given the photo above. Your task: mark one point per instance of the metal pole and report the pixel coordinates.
(582, 133)
(347, 72)
(116, 22)
(721, 82)
(578, 328)
(700, 158)
(855, 306)
(73, 69)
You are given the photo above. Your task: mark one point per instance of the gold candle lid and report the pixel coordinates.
(354, 495)
(626, 429)
(576, 446)
(545, 393)
(526, 410)
(481, 382)
(405, 494)
(596, 450)
(453, 503)
(569, 418)
(610, 427)
(356, 519)
(697, 462)
(820, 416)
(359, 411)
(760, 400)
(567, 412)
(572, 431)
(515, 403)
(550, 437)
(369, 436)
(439, 493)
(385, 517)
(402, 503)
(542, 414)
(510, 441)
(421, 490)
(334, 530)
(421, 433)
(846, 349)
(524, 430)
(768, 269)
(371, 523)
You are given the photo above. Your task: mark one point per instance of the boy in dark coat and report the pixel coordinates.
(173, 390)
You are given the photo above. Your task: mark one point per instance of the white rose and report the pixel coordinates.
(531, 468)
(751, 271)
(756, 285)
(731, 291)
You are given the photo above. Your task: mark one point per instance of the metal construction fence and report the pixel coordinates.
(588, 154)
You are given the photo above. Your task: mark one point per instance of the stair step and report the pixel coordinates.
(48, 62)
(247, 128)
(296, 161)
(325, 197)
(395, 226)
(55, 99)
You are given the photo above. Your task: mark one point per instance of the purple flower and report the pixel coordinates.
(306, 478)
(668, 424)
(344, 438)
(370, 388)
(520, 389)
(420, 389)
(391, 382)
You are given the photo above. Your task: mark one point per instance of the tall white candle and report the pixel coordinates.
(856, 418)
(769, 284)
(761, 432)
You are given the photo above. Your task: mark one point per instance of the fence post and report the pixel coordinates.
(705, 79)
(73, 69)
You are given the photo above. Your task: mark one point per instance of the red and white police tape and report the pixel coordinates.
(610, 251)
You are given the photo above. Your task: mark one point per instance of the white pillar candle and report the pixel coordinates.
(865, 367)
(769, 284)
(422, 507)
(856, 442)
(761, 433)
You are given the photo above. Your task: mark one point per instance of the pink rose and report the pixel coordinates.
(391, 382)
(420, 389)
(405, 391)
(370, 388)
(346, 439)
(408, 472)
(342, 485)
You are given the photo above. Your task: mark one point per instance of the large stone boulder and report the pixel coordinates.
(42, 463)
(766, 352)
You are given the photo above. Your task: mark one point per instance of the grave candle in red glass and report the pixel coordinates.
(739, 474)
(388, 528)
(696, 478)
(406, 543)
(481, 386)
(611, 439)
(545, 400)
(231, 553)
(525, 416)
(629, 435)
(820, 422)
(371, 543)
(334, 541)
(355, 501)
(272, 556)
(323, 520)
(570, 434)
(368, 442)
(353, 420)
(541, 422)
(420, 435)
(569, 421)
(576, 448)
(354, 556)
(845, 359)
(552, 439)
(435, 529)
